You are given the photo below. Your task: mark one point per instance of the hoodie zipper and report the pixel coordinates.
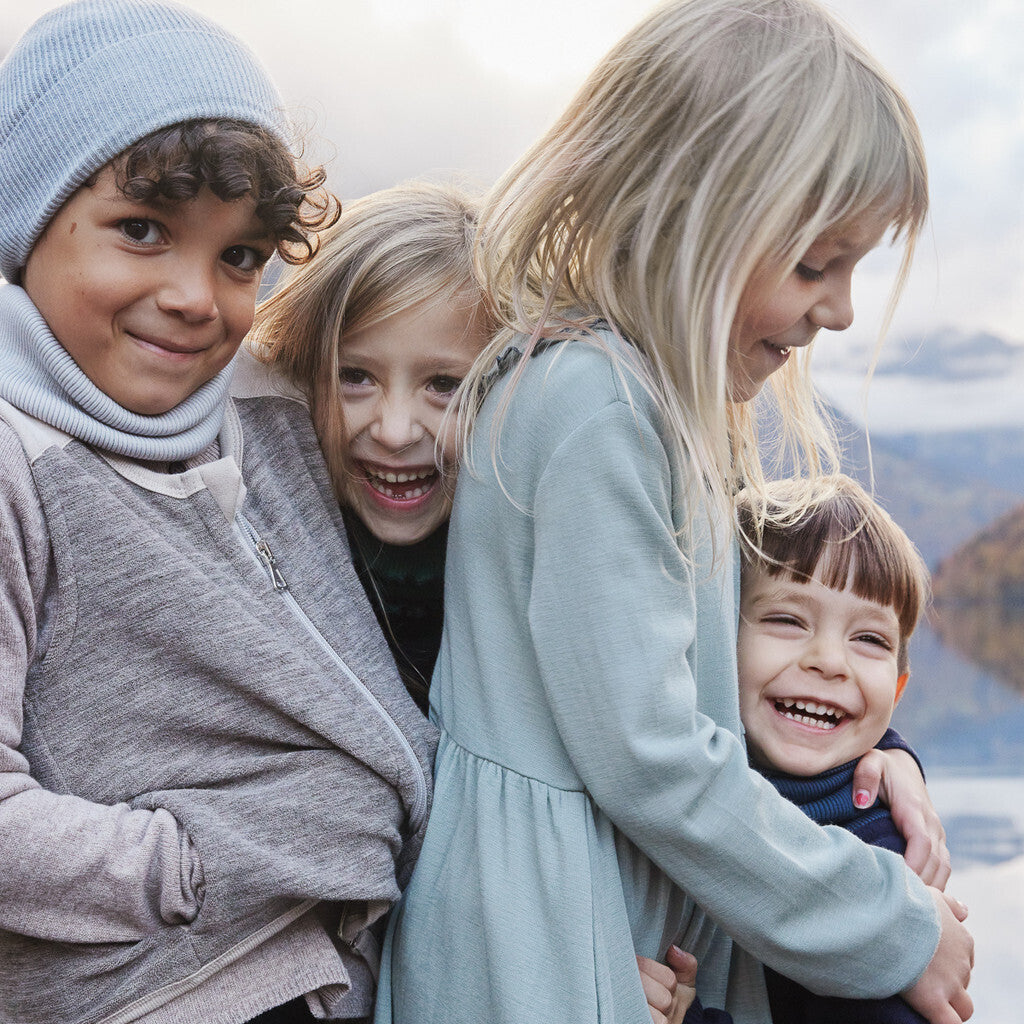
(260, 549)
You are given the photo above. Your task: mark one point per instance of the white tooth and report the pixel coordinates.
(391, 478)
(815, 723)
(801, 706)
(402, 478)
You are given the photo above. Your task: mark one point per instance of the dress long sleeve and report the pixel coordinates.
(593, 796)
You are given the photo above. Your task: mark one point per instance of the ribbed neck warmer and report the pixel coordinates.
(38, 377)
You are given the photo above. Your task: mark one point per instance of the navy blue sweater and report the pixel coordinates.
(828, 800)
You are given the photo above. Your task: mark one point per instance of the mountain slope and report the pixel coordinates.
(979, 598)
(941, 503)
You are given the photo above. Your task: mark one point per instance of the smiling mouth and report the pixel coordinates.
(807, 712)
(165, 346)
(402, 486)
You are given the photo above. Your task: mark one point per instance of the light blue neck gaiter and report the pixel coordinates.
(38, 377)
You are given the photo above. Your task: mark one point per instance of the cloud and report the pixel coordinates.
(402, 88)
(961, 69)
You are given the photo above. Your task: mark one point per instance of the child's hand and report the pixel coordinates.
(895, 776)
(669, 989)
(940, 994)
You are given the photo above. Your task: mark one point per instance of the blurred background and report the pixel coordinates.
(391, 89)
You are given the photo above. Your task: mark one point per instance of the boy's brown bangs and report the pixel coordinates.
(850, 545)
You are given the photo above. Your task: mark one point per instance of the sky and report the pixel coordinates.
(387, 90)
(393, 89)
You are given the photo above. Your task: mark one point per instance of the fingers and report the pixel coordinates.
(657, 1017)
(940, 994)
(659, 984)
(867, 778)
(959, 911)
(927, 854)
(683, 964)
(669, 990)
(903, 789)
(963, 1005)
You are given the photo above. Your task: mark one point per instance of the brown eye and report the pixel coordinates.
(243, 257)
(353, 376)
(444, 385)
(876, 640)
(138, 229)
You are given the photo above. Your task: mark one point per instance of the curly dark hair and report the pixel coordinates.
(233, 159)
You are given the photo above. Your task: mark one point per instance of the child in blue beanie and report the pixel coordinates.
(212, 781)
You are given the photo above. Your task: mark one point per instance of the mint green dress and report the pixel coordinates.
(592, 795)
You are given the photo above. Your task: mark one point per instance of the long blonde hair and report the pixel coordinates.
(388, 252)
(717, 138)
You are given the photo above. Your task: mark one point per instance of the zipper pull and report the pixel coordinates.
(268, 559)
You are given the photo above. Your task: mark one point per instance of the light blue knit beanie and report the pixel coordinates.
(90, 78)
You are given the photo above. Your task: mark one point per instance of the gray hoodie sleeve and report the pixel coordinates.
(73, 871)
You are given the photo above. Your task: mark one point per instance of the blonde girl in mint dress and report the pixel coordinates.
(670, 247)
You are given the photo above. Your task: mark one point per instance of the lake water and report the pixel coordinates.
(967, 724)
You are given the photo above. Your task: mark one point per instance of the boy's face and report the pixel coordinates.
(817, 672)
(151, 300)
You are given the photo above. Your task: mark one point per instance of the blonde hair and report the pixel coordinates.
(833, 525)
(387, 253)
(719, 137)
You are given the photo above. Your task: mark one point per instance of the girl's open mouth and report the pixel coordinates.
(405, 485)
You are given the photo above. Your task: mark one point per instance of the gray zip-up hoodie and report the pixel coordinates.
(202, 734)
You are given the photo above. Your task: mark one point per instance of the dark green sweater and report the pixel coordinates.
(405, 585)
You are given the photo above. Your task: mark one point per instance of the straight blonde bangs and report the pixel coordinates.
(388, 252)
(876, 168)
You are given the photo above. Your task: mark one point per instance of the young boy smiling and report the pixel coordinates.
(828, 605)
(212, 782)
(150, 299)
